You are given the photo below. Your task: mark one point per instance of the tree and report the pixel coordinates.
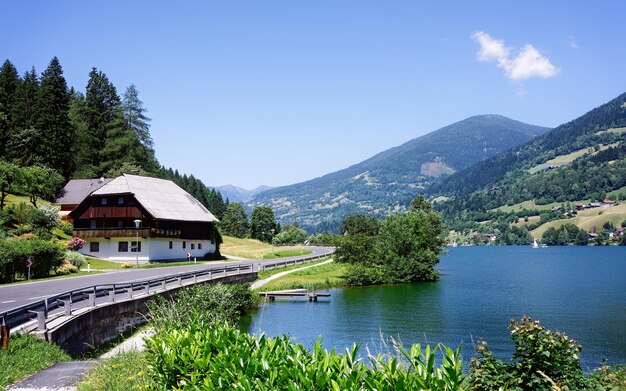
(53, 121)
(135, 117)
(102, 107)
(41, 182)
(263, 224)
(291, 234)
(9, 81)
(10, 176)
(357, 224)
(235, 221)
(23, 112)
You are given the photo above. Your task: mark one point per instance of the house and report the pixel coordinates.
(608, 203)
(167, 221)
(75, 192)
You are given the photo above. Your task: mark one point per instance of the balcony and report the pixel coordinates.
(109, 232)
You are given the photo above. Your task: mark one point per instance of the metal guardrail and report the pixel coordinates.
(20, 315)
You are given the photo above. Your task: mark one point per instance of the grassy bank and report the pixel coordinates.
(25, 356)
(319, 277)
(268, 273)
(126, 371)
(255, 249)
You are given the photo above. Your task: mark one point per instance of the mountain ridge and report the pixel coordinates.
(388, 180)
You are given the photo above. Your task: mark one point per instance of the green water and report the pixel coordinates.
(578, 290)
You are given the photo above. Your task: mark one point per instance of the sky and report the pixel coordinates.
(272, 93)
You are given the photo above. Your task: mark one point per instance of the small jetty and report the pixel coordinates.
(312, 296)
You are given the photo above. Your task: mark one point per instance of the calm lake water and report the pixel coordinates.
(578, 290)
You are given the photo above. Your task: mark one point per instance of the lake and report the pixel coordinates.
(578, 290)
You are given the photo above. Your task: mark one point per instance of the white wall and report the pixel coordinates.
(151, 249)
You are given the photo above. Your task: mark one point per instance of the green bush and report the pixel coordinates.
(66, 227)
(541, 357)
(45, 255)
(290, 235)
(13, 255)
(198, 356)
(75, 258)
(45, 217)
(206, 303)
(65, 269)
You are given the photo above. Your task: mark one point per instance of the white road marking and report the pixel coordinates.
(38, 297)
(8, 301)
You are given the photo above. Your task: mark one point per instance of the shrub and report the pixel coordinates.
(45, 256)
(75, 258)
(75, 243)
(66, 227)
(66, 268)
(45, 217)
(290, 235)
(206, 303)
(13, 254)
(128, 265)
(537, 350)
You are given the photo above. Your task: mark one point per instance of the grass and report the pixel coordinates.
(292, 252)
(562, 160)
(16, 199)
(531, 205)
(587, 219)
(613, 130)
(320, 277)
(249, 248)
(25, 356)
(126, 371)
(101, 264)
(170, 264)
(621, 190)
(268, 273)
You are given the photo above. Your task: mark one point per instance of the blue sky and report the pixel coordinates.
(278, 92)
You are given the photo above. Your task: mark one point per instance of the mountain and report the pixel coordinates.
(238, 194)
(389, 180)
(581, 160)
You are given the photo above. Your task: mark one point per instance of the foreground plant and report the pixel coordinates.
(202, 356)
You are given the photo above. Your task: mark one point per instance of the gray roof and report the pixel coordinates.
(77, 190)
(163, 199)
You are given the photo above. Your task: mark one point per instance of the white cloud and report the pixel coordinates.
(572, 43)
(527, 64)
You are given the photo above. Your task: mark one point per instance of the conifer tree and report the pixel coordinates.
(55, 146)
(9, 81)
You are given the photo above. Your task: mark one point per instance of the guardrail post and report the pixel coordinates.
(45, 306)
(180, 281)
(41, 321)
(210, 274)
(92, 300)
(238, 269)
(67, 305)
(5, 334)
(147, 289)
(163, 284)
(112, 296)
(130, 291)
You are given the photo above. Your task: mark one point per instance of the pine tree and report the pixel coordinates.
(23, 113)
(103, 104)
(139, 124)
(55, 149)
(9, 81)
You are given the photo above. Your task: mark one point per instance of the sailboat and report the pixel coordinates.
(535, 245)
(454, 244)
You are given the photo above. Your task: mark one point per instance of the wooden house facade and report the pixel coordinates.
(172, 222)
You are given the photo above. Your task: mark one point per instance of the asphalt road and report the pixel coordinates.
(16, 295)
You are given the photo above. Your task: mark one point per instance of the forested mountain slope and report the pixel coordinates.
(389, 180)
(583, 159)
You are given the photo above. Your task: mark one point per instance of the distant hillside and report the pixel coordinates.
(239, 194)
(389, 180)
(584, 159)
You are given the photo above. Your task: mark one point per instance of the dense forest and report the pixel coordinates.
(90, 134)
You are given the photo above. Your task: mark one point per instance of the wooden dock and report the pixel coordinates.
(312, 296)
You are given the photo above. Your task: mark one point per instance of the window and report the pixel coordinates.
(184, 244)
(135, 247)
(103, 201)
(120, 223)
(94, 247)
(92, 224)
(120, 201)
(171, 244)
(122, 247)
(199, 246)
(193, 246)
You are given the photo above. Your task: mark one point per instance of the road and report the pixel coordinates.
(16, 295)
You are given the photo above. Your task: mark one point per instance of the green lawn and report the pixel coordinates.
(319, 277)
(254, 249)
(291, 252)
(25, 356)
(126, 371)
(588, 219)
(268, 273)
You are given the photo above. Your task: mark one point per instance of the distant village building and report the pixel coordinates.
(172, 223)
